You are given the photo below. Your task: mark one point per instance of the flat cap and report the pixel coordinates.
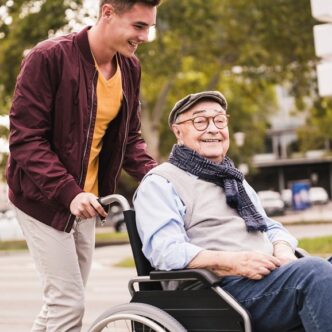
(187, 102)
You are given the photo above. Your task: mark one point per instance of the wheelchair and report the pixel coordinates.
(207, 308)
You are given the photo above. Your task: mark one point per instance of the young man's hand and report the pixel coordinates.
(86, 205)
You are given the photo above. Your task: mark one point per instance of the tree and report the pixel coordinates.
(243, 49)
(316, 133)
(231, 46)
(24, 23)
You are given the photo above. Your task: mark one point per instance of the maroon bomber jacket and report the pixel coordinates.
(52, 121)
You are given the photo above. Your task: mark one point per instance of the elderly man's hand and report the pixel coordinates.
(250, 264)
(283, 251)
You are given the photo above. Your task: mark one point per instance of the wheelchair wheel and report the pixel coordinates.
(136, 317)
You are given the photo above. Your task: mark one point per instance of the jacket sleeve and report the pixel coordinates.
(137, 162)
(30, 139)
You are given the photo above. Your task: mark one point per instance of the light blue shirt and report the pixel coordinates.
(160, 224)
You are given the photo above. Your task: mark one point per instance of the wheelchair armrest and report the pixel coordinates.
(299, 253)
(208, 278)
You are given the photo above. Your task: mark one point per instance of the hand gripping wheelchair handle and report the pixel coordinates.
(107, 200)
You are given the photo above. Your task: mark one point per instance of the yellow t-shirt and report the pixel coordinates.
(109, 97)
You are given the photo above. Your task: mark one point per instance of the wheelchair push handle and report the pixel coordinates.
(115, 198)
(107, 200)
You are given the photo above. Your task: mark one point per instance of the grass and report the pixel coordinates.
(13, 245)
(111, 237)
(101, 240)
(320, 246)
(126, 263)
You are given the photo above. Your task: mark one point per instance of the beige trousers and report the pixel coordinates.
(63, 262)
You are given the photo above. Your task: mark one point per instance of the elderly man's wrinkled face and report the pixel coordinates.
(211, 142)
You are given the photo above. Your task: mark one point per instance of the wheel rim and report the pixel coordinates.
(125, 323)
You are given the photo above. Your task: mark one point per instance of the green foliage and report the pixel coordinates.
(26, 23)
(243, 50)
(23, 24)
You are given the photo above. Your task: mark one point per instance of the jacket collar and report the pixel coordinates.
(84, 46)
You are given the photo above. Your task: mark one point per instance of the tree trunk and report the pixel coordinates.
(151, 121)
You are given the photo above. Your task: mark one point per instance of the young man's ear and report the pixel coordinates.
(107, 11)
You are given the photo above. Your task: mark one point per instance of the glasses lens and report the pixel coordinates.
(201, 122)
(220, 121)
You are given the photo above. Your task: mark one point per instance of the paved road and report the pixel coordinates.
(310, 231)
(304, 223)
(20, 293)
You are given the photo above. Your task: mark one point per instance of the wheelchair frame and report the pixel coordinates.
(208, 308)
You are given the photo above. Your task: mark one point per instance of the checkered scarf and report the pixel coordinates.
(224, 175)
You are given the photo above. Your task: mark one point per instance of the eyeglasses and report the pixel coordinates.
(202, 122)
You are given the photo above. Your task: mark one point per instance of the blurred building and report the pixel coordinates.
(281, 165)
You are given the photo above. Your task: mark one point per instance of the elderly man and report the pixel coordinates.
(197, 211)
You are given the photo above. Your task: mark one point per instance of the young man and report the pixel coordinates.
(74, 122)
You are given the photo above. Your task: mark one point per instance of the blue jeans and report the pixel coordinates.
(298, 293)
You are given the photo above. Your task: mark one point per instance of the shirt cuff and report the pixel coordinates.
(191, 252)
(177, 258)
(285, 238)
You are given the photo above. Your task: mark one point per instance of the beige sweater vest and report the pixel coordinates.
(209, 222)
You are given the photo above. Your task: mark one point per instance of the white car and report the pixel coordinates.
(271, 202)
(286, 196)
(318, 195)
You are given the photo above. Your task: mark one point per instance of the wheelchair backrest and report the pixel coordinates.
(143, 266)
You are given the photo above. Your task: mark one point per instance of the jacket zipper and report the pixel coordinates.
(124, 142)
(87, 139)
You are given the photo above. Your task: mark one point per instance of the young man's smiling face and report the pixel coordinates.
(211, 143)
(125, 31)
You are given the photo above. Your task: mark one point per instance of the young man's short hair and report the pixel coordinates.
(120, 6)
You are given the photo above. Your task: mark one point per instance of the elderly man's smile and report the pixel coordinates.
(214, 140)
